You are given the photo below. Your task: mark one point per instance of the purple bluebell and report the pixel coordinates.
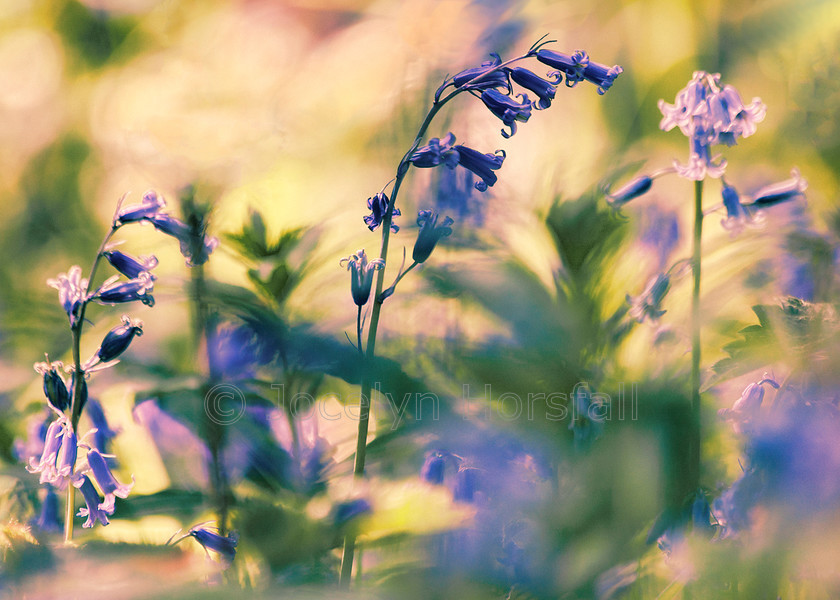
(434, 467)
(436, 152)
(635, 188)
(508, 110)
(225, 546)
(745, 411)
(36, 433)
(487, 76)
(55, 388)
(72, 291)
(104, 434)
(430, 234)
(647, 305)
(573, 65)
(601, 75)
(378, 205)
(52, 444)
(783, 191)
(119, 338)
(544, 89)
(65, 463)
(480, 164)
(196, 246)
(48, 518)
(129, 266)
(110, 487)
(139, 288)
(151, 204)
(93, 510)
(344, 512)
(737, 216)
(466, 485)
(361, 275)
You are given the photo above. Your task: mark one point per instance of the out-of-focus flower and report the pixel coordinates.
(635, 188)
(72, 291)
(437, 151)
(110, 487)
(783, 191)
(586, 424)
(737, 217)
(480, 164)
(344, 512)
(361, 275)
(434, 467)
(745, 410)
(648, 303)
(139, 288)
(572, 65)
(196, 246)
(430, 234)
(709, 115)
(93, 510)
(544, 89)
(36, 433)
(378, 206)
(485, 77)
(225, 546)
(508, 110)
(104, 434)
(467, 484)
(129, 266)
(151, 204)
(55, 388)
(48, 518)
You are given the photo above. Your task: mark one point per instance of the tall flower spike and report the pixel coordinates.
(378, 205)
(507, 109)
(55, 388)
(92, 510)
(430, 234)
(110, 487)
(129, 266)
(480, 164)
(361, 275)
(72, 291)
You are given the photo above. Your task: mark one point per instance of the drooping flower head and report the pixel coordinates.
(110, 487)
(485, 77)
(52, 444)
(361, 275)
(480, 164)
(72, 291)
(436, 152)
(93, 509)
(430, 234)
(544, 89)
(746, 409)
(119, 338)
(378, 206)
(55, 387)
(601, 75)
(508, 110)
(709, 115)
(647, 305)
(573, 65)
(139, 288)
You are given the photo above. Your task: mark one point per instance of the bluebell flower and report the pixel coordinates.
(93, 511)
(72, 291)
(437, 151)
(66, 461)
(344, 512)
(225, 546)
(129, 266)
(467, 482)
(480, 164)
(783, 191)
(434, 467)
(507, 109)
(709, 115)
(139, 288)
(48, 518)
(430, 234)
(745, 411)
(55, 388)
(543, 88)
(110, 487)
(487, 76)
(151, 204)
(361, 275)
(36, 433)
(573, 65)
(196, 246)
(601, 75)
(103, 434)
(635, 188)
(378, 205)
(118, 339)
(647, 305)
(52, 444)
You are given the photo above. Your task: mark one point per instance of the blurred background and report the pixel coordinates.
(285, 116)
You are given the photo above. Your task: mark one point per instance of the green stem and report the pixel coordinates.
(373, 327)
(694, 439)
(76, 403)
